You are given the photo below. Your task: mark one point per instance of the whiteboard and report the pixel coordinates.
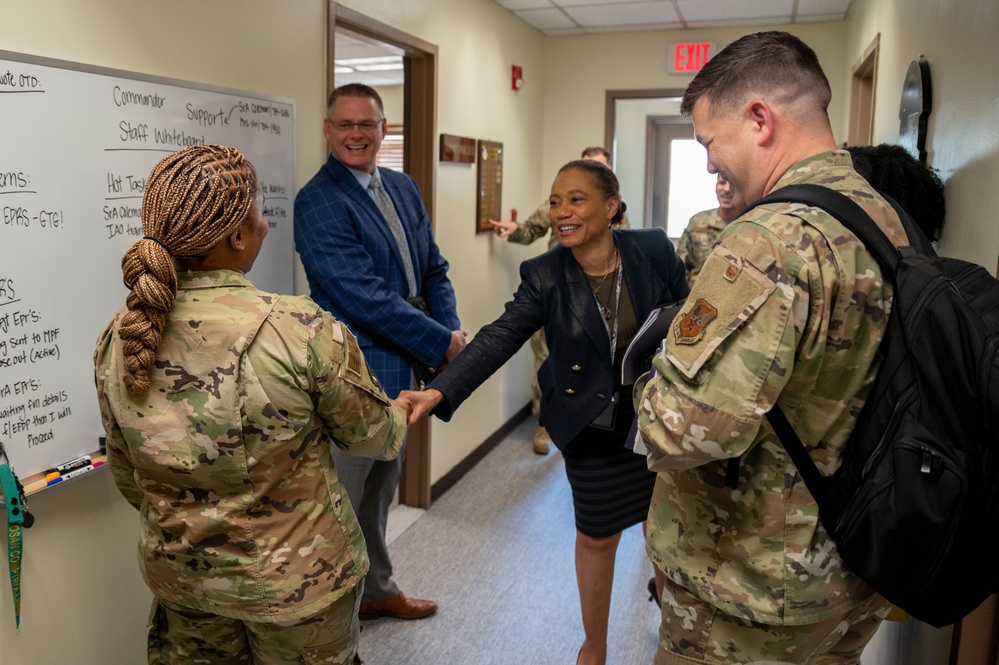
(76, 146)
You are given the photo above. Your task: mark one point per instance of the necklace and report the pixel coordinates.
(600, 280)
(596, 283)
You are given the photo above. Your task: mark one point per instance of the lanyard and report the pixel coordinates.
(617, 305)
(15, 518)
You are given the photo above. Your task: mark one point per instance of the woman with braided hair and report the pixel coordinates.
(220, 404)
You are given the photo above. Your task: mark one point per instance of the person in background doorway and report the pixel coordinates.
(369, 253)
(704, 228)
(788, 309)
(589, 294)
(220, 404)
(534, 227)
(915, 186)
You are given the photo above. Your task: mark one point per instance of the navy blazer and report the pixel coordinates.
(577, 380)
(355, 270)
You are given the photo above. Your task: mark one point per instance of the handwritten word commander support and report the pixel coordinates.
(788, 309)
(368, 249)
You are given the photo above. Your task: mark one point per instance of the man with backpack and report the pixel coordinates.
(789, 309)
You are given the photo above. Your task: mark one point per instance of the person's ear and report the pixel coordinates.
(236, 240)
(613, 203)
(761, 119)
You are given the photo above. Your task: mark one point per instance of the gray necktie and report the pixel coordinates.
(387, 209)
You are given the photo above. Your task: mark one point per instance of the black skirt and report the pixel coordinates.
(611, 485)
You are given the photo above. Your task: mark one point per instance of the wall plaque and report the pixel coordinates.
(457, 149)
(489, 195)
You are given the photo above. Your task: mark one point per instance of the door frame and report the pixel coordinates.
(610, 108)
(651, 145)
(419, 160)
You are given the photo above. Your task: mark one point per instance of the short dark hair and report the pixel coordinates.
(355, 90)
(606, 181)
(596, 150)
(915, 186)
(775, 64)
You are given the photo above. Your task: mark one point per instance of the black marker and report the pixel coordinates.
(71, 465)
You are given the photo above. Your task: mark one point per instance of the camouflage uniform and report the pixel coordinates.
(697, 240)
(788, 305)
(226, 457)
(534, 227)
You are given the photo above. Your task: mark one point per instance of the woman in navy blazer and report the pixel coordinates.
(589, 294)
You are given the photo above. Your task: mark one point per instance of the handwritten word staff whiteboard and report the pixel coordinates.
(76, 146)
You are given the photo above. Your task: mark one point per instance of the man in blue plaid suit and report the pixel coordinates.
(367, 256)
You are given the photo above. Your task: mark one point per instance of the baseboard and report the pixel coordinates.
(448, 480)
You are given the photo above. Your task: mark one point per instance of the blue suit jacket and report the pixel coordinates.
(355, 270)
(577, 379)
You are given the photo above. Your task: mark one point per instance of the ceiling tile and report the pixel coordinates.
(580, 3)
(546, 19)
(629, 13)
(514, 5)
(720, 10)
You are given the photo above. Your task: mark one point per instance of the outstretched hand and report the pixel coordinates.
(503, 228)
(458, 341)
(421, 403)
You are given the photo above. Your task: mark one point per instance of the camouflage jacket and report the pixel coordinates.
(538, 224)
(697, 240)
(789, 306)
(227, 456)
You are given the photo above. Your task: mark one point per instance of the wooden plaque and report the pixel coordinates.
(457, 149)
(489, 198)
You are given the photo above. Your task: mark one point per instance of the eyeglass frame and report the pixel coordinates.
(345, 126)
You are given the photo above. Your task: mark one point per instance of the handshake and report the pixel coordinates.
(417, 404)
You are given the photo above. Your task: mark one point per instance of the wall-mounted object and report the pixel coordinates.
(459, 149)
(914, 109)
(517, 77)
(689, 57)
(489, 196)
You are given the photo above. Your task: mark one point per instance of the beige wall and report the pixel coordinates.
(580, 69)
(958, 40)
(83, 599)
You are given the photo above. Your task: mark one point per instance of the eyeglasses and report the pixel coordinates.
(347, 125)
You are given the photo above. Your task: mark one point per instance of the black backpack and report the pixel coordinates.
(913, 508)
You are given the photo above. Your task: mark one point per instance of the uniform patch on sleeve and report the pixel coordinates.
(729, 290)
(691, 327)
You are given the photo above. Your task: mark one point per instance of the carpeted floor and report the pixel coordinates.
(496, 553)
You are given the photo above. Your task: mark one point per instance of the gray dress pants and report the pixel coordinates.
(371, 486)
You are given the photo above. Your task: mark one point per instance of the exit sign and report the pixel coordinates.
(689, 58)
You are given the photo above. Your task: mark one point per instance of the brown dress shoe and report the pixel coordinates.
(542, 441)
(399, 607)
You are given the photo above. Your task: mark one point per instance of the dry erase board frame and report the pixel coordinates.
(78, 144)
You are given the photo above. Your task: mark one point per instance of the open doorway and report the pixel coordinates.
(415, 129)
(662, 169)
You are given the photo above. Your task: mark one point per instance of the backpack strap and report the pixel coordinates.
(849, 214)
(856, 219)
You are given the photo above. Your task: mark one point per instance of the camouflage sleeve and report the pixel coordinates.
(121, 465)
(728, 354)
(351, 402)
(683, 251)
(534, 227)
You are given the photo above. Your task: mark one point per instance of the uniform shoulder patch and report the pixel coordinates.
(690, 329)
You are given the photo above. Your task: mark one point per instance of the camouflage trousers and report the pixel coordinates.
(693, 631)
(183, 636)
(539, 346)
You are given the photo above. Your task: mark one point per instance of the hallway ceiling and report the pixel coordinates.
(577, 17)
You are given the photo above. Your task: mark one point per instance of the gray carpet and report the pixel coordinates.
(496, 553)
